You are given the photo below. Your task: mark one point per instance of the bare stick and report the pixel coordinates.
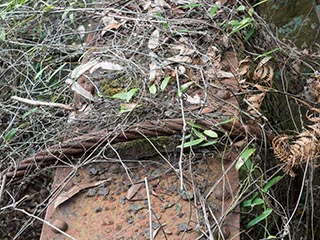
(149, 207)
(3, 183)
(184, 129)
(41, 103)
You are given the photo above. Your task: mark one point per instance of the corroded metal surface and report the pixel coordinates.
(105, 212)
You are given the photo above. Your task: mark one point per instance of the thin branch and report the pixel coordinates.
(149, 207)
(184, 129)
(41, 103)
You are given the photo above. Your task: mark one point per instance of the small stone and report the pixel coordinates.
(183, 227)
(93, 171)
(123, 200)
(180, 215)
(91, 192)
(103, 191)
(130, 220)
(98, 209)
(60, 224)
(135, 207)
(186, 195)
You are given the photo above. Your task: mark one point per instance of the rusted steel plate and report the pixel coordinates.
(105, 212)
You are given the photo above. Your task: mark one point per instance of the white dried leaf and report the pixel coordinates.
(154, 39)
(180, 59)
(224, 74)
(133, 190)
(181, 70)
(81, 31)
(106, 66)
(183, 50)
(79, 70)
(194, 100)
(186, 1)
(161, 3)
(152, 72)
(80, 90)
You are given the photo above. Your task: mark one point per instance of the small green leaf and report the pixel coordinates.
(192, 124)
(257, 4)
(165, 83)
(248, 203)
(210, 133)
(272, 237)
(250, 12)
(226, 121)
(208, 143)
(267, 53)
(198, 134)
(11, 134)
(213, 10)
(55, 72)
(126, 95)
(244, 158)
(257, 201)
(38, 75)
(261, 217)
(249, 34)
(153, 89)
(26, 114)
(234, 23)
(185, 86)
(191, 5)
(241, 8)
(188, 136)
(192, 143)
(272, 182)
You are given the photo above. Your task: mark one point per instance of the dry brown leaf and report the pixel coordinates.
(244, 67)
(65, 196)
(80, 90)
(110, 23)
(264, 61)
(254, 102)
(133, 190)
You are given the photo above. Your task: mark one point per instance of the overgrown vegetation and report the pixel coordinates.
(154, 60)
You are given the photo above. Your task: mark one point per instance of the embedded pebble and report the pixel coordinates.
(60, 224)
(135, 207)
(103, 191)
(91, 192)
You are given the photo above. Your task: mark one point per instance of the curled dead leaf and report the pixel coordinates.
(80, 90)
(133, 190)
(106, 66)
(79, 70)
(244, 67)
(65, 196)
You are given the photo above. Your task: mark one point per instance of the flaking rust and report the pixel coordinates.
(105, 212)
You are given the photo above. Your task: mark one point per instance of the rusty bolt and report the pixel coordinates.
(225, 231)
(60, 224)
